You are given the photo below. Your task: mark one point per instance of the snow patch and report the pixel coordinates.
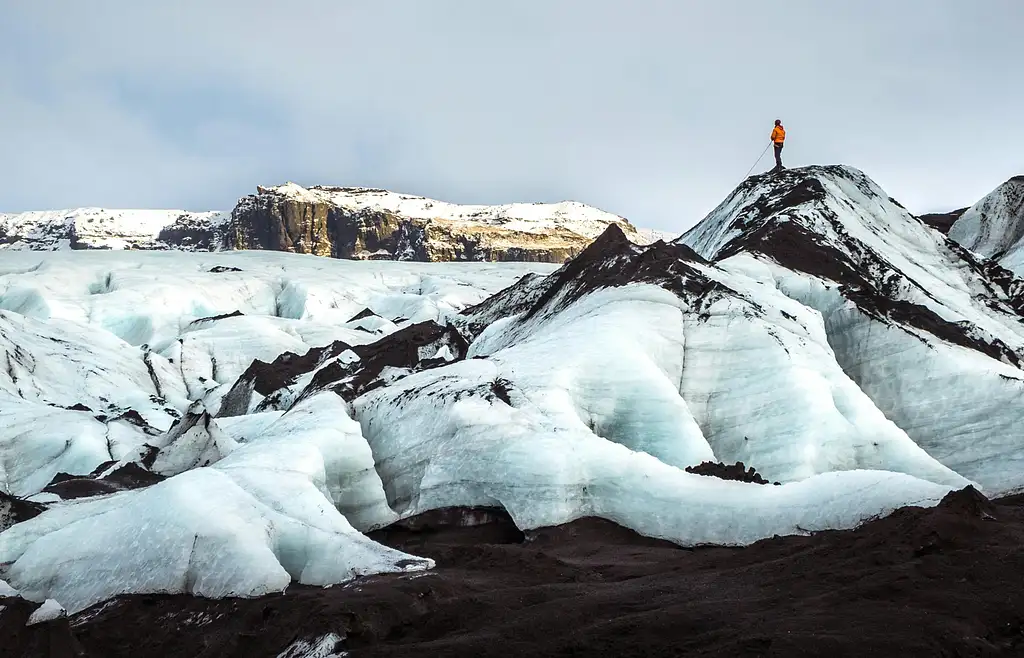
(325, 646)
(48, 611)
(7, 591)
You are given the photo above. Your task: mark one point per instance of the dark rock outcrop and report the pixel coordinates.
(942, 221)
(411, 348)
(942, 581)
(15, 510)
(49, 639)
(128, 476)
(610, 261)
(737, 472)
(268, 378)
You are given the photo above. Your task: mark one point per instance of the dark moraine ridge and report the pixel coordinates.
(942, 221)
(946, 581)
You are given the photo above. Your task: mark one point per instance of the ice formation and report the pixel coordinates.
(994, 227)
(280, 406)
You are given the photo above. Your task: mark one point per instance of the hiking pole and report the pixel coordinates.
(758, 160)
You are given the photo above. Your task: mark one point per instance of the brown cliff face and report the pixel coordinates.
(454, 241)
(367, 234)
(274, 222)
(270, 220)
(942, 221)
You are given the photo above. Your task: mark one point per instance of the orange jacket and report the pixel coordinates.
(779, 135)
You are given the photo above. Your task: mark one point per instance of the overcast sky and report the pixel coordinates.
(651, 109)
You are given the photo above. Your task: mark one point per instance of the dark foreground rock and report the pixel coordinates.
(738, 472)
(942, 221)
(15, 510)
(128, 476)
(947, 581)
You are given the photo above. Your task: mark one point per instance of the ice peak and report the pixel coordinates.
(831, 202)
(994, 227)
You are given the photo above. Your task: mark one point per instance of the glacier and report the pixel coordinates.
(281, 406)
(994, 226)
(912, 316)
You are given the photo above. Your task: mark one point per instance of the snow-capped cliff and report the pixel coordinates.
(98, 228)
(331, 221)
(381, 225)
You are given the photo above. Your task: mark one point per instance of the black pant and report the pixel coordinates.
(778, 156)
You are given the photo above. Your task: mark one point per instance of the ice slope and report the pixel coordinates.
(7, 591)
(153, 297)
(73, 397)
(258, 519)
(100, 351)
(574, 407)
(100, 228)
(461, 436)
(912, 317)
(994, 227)
(579, 218)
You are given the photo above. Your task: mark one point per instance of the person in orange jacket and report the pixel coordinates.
(779, 140)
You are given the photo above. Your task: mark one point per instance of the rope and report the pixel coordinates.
(758, 160)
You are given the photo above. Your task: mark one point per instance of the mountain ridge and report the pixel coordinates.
(340, 222)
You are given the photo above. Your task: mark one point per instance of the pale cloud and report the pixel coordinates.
(654, 110)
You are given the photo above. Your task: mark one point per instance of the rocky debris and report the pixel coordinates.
(969, 502)
(215, 318)
(193, 441)
(737, 472)
(592, 588)
(416, 347)
(999, 281)
(131, 475)
(463, 525)
(15, 510)
(129, 416)
(220, 269)
(31, 629)
(266, 379)
(363, 314)
(610, 261)
(518, 298)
